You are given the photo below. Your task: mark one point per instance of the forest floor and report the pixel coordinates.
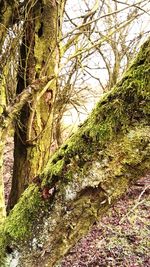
(120, 239)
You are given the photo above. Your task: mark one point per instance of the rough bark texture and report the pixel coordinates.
(88, 173)
(7, 9)
(2, 145)
(39, 58)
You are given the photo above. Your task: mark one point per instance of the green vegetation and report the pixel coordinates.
(91, 170)
(19, 223)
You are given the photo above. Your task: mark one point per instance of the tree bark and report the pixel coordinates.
(7, 117)
(2, 145)
(5, 17)
(2, 196)
(6, 12)
(39, 58)
(86, 175)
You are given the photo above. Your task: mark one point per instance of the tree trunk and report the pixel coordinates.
(2, 145)
(5, 17)
(39, 58)
(2, 196)
(6, 12)
(88, 173)
(7, 116)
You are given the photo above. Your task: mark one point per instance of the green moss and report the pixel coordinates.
(117, 136)
(2, 243)
(20, 220)
(135, 145)
(45, 38)
(125, 105)
(18, 225)
(57, 167)
(69, 175)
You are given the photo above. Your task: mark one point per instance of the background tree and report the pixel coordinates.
(110, 32)
(86, 175)
(39, 57)
(6, 23)
(31, 35)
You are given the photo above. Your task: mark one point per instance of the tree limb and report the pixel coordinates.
(40, 86)
(86, 175)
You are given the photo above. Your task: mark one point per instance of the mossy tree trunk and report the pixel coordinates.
(88, 173)
(4, 73)
(6, 14)
(39, 57)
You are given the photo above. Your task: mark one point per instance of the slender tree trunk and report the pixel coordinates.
(2, 145)
(39, 58)
(88, 173)
(6, 11)
(2, 197)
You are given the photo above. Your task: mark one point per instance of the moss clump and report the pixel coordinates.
(136, 146)
(2, 243)
(123, 107)
(109, 138)
(18, 225)
(20, 220)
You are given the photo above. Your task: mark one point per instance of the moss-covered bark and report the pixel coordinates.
(7, 10)
(6, 14)
(39, 58)
(88, 173)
